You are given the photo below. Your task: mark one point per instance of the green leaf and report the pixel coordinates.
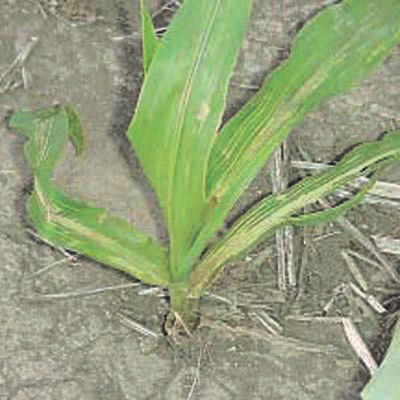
(277, 210)
(333, 213)
(385, 384)
(179, 110)
(75, 130)
(45, 145)
(71, 223)
(331, 54)
(149, 36)
(74, 225)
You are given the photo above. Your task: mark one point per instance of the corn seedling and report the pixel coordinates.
(198, 166)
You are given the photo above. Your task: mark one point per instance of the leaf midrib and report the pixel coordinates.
(184, 101)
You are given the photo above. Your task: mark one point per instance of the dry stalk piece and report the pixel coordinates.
(354, 270)
(380, 192)
(387, 244)
(130, 323)
(7, 77)
(83, 292)
(48, 267)
(361, 257)
(283, 236)
(358, 345)
(369, 298)
(366, 243)
(267, 322)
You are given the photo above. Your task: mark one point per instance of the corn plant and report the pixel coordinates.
(198, 166)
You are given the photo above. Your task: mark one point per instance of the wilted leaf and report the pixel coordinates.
(71, 223)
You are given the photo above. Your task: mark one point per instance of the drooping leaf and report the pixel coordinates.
(180, 108)
(73, 224)
(149, 36)
(88, 230)
(331, 54)
(44, 148)
(330, 214)
(277, 210)
(385, 384)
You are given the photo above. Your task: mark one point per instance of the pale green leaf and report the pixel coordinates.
(88, 230)
(149, 36)
(45, 146)
(385, 383)
(73, 224)
(331, 54)
(277, 210)
(180, 108)
(330, 214)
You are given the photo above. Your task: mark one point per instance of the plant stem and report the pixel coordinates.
(184, 313)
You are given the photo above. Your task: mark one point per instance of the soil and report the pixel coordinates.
(58, 340)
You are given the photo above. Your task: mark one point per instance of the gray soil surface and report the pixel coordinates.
(58, 341)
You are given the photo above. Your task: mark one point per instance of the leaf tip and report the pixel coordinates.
(75, 130)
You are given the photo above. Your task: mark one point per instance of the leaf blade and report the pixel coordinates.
(276, 210)
(332, 53)
(88, 230)
(346, 41)
(177, 124)
(384, 384)
(149, 37)
(71, 223)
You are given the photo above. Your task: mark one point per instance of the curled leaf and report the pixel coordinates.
(71, 223)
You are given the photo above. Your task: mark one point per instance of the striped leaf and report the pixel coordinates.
(277, 210)
(73, 224)
(330, 55)
(180, 109)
